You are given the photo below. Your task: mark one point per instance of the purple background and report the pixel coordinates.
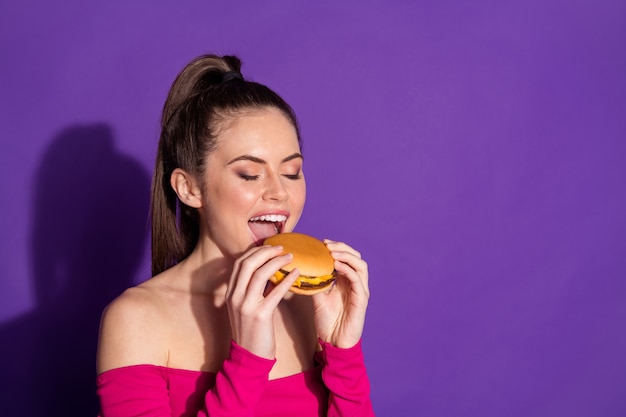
(473, 151)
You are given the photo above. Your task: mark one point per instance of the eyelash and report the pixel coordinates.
(294, 176)
(256, 177)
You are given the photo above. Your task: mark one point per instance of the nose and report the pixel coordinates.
(275, 189)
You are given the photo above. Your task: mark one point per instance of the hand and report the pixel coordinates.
(340, 312)
(250, 307)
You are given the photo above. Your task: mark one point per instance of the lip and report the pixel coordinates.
(259, 241)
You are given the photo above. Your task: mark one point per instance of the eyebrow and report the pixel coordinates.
(262, 161)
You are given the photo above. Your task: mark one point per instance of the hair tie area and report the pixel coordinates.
(232, 75)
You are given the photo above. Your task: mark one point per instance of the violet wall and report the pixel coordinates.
(473, 151)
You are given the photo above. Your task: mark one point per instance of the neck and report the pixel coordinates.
(209, 270)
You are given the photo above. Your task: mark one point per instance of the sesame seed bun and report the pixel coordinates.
(311, 257)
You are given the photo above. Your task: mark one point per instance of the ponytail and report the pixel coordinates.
(169, 242)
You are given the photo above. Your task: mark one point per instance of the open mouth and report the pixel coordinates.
(266, 225)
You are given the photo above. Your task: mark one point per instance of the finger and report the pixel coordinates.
(347, 254)
(341, 246)
(245, 267)
(354, 262)
(278, 292)
(357, 282)
(234, 275)
(260, 277)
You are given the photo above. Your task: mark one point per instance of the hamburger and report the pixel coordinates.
(311, 257)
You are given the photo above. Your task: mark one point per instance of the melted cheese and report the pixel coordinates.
(306, 280)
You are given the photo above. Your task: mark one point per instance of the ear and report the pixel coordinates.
(185, 186)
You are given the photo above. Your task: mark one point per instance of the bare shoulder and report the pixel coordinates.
(132, 329)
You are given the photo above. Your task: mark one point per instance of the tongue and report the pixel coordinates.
(262, 230)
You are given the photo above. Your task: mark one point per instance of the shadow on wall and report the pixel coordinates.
(88, 236)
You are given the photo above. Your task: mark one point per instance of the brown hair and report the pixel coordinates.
(208, 92)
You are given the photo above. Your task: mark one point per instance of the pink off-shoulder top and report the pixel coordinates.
(337, 387)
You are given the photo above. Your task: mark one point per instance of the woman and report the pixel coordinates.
(207, 335)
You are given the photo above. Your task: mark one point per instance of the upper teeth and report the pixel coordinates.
(269, 218)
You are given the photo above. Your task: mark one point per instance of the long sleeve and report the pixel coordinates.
(239, 385)
(145, 390)
(345, 376)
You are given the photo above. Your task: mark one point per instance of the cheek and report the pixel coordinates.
(303, 193)
(238, 199)
(298, 195)
(228, 198)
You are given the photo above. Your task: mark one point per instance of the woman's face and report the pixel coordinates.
(254, 184)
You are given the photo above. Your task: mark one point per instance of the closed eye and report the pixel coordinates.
(293, 176)
(249, 177)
